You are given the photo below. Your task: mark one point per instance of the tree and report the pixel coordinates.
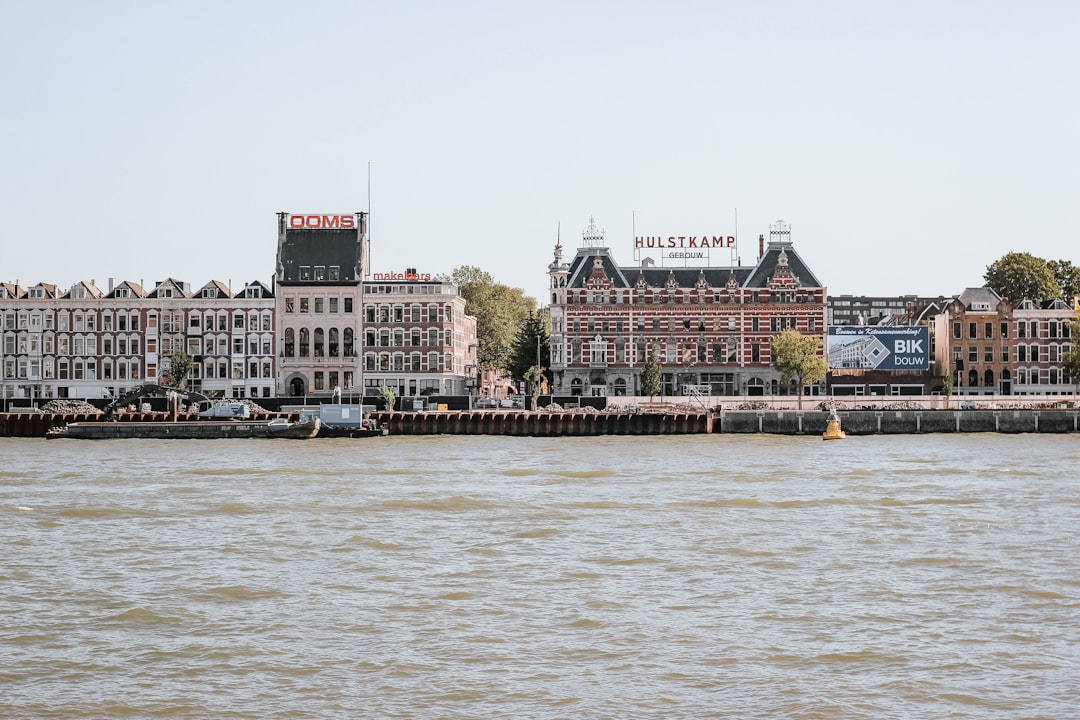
(1067, 276)
(650, 374)
(1020, 276)
(531, 345)
(499, 311)
(179, 370)
(796, 356)
(947, 385)
(388, 395)
(1070, 361)
(534, 376)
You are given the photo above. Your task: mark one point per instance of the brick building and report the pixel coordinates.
(712, 326)
(989, 347)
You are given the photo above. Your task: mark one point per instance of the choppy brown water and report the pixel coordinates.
(489, 577)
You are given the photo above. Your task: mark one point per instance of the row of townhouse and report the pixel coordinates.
(85, 343)
(90, 343)
(321, 328)
(988, 346)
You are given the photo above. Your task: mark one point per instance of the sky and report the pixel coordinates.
(907, 145)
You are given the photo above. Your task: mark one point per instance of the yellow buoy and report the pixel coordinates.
(832, 429)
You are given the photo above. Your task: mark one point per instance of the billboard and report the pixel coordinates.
(878, 348)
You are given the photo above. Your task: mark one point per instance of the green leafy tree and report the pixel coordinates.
(388, 395)
(650, 374)
(1020, 276)
(499, 310)
(1067, 276)
(534, 335)
(180, 365)
(1070, 362)
(796, 357)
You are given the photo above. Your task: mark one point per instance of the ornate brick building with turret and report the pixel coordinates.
(712, 327)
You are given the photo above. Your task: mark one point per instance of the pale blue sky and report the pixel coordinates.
(908, 144)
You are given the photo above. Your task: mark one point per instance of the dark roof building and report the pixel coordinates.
(712, 326)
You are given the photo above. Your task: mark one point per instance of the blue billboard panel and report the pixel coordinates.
(878, 348)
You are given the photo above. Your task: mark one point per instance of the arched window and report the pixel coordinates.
(988, 378)
(319, 346)
(332, 350)
(620, 386)
(305, 342)
(973, 378)
(575, 386)
(290, 342)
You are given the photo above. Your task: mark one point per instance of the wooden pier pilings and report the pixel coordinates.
(544, 424)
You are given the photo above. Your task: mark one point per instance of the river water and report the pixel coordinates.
(931, 576)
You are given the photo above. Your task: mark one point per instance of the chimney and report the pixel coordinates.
(111, 280)
(760, 245)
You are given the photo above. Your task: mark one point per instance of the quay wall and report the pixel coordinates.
(575, 423)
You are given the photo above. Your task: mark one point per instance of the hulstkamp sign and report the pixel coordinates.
(879, 348)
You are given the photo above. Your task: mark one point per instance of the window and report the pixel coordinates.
(304, 305)
(973, 354)
(348, 304)
(989, 330)
(1004, 331)
(988, 354)
(334, 275)
(971, 330)
(305, 273)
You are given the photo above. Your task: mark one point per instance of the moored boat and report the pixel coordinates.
(187, 430)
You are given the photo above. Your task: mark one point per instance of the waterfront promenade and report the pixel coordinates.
(673, 419)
